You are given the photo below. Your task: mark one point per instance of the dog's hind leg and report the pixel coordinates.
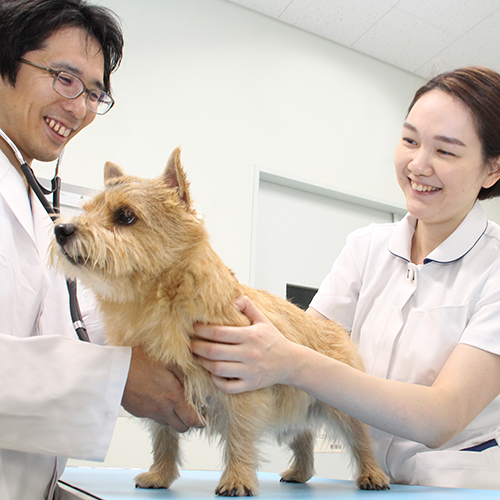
(302, 467)
(357, 436)
(166, 454)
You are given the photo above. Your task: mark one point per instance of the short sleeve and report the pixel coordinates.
(338, 294)
(483, 328)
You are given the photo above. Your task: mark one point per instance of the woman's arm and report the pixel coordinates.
(249, 358)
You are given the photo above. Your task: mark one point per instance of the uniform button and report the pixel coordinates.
(411, 273)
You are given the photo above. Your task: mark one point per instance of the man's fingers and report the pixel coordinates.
(179, 375)
(156, 391)
(188, 416)
(173, 421)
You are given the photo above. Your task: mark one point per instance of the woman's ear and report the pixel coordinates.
(494, 173)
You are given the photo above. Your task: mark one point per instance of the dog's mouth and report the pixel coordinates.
(77, 260)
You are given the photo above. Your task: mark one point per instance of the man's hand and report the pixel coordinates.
(156, 392)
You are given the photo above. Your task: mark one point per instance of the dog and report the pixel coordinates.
(145, 253)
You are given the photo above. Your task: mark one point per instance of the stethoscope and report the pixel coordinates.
(53, 209)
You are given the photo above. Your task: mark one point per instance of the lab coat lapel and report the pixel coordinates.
(55, 317)
(13, 191)
(43, 227)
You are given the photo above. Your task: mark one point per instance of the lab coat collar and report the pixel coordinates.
(13, 191)
(458, 244)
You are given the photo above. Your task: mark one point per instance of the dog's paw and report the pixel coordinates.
(376, 480)
(295, 476)
(235, 489)
(152, 480)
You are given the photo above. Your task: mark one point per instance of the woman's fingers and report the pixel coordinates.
(242, 358)
(250, 310)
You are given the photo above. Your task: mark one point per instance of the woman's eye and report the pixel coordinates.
(445, 153)
(409, 141)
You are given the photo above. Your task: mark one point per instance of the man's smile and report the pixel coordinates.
(58, 127)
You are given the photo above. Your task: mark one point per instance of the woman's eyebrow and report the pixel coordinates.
(442, 138)
(409, 126)
(449, 140)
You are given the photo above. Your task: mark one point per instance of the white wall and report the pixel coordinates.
(236, 89)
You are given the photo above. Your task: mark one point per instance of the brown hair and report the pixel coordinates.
(479, 89)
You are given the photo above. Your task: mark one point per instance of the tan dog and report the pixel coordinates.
(142, 249)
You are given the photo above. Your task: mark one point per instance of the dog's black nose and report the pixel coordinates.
(64, 232)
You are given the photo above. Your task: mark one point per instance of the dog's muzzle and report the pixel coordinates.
(64, 233)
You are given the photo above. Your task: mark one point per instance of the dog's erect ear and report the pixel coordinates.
(175, 177)
(112, 171)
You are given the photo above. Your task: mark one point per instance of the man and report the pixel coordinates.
(59, 396)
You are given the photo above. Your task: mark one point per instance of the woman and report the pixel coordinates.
(421, 298)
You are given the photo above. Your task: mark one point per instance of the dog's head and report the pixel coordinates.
(130, 234)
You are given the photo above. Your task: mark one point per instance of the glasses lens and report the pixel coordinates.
(99, 102)
(71, 86)
(68, 85)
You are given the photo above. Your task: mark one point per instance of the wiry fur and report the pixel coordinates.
(157, 276)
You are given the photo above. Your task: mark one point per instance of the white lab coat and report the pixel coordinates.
(408, 318)
(59, 397)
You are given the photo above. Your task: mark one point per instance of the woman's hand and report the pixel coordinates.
(245, 358)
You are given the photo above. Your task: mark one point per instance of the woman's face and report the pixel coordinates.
(439, 163)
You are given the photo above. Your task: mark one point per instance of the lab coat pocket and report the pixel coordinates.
(460, 469)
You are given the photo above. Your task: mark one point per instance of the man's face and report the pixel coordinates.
(35, 117)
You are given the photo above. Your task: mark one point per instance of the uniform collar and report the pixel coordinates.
(458, 244)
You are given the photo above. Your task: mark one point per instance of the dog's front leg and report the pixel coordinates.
(166, 455)
(245, 418)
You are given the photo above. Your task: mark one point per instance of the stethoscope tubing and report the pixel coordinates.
(53, 210)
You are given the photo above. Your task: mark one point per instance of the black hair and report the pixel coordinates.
(25, 25)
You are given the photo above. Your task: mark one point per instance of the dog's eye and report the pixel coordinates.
(125, 217)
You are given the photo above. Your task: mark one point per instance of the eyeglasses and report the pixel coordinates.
(71, 87)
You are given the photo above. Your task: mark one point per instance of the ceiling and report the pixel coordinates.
(423, 37)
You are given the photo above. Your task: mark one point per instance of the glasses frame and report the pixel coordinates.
(56, 72)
